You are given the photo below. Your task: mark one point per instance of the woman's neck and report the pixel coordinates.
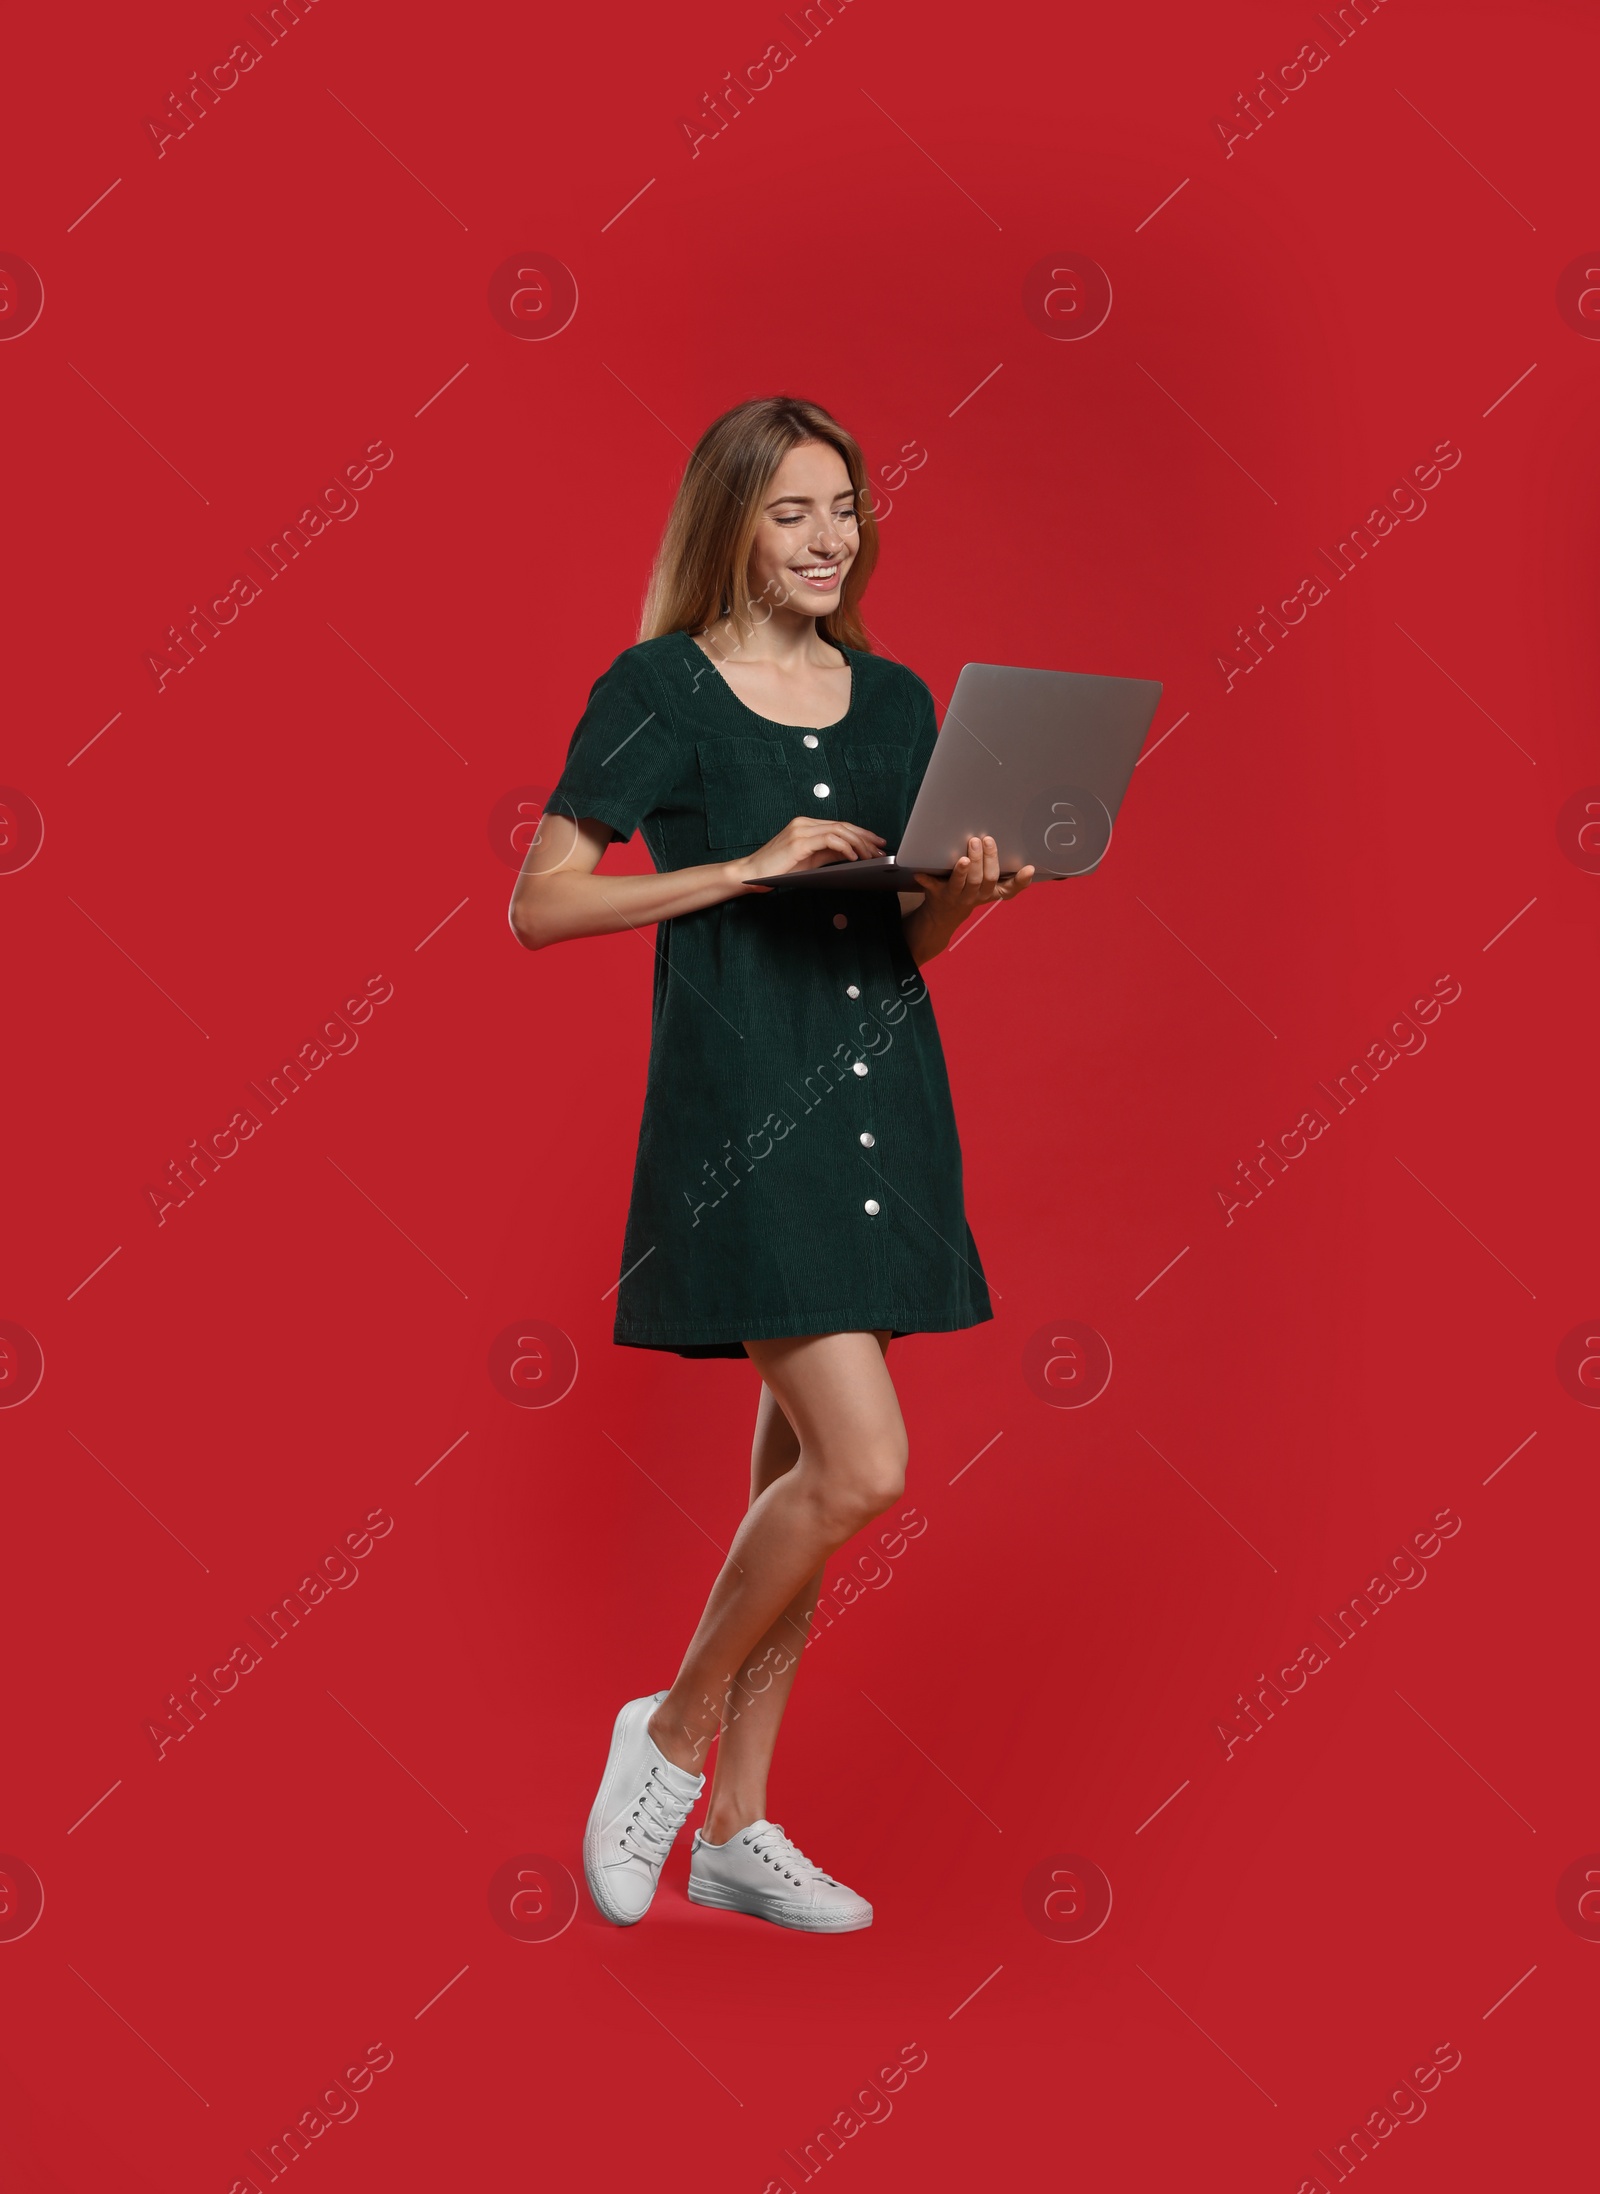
(786, 638)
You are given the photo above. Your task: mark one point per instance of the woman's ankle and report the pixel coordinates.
(671, 1738)
(727, 1817)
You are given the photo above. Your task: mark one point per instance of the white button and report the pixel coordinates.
(871, 1207)
(868, 1141)
(810, 739)
(852, 990)
(860, 1066)
(841, 921)
(821, 791)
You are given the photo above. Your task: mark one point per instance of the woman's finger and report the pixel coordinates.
(808, 826)
(814, 839)
(944, 891)
(835, 842)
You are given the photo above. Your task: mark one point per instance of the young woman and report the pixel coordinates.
(797, 1192)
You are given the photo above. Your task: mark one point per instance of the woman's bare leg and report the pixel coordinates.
(754, 1710)
(761, 1688)
(848, 1466)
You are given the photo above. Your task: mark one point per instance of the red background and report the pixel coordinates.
(309, 801)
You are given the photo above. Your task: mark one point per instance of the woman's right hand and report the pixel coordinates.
(559, 895)
(805, 843)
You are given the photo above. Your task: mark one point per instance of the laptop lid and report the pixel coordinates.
(1038, 760)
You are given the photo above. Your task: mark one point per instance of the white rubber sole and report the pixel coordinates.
(779, 1911)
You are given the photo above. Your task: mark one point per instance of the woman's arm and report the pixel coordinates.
(974, 882)
(558, 895)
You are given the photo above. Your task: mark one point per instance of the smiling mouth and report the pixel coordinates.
(824, 577)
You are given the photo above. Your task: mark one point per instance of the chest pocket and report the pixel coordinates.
(747, 791)
(879, 789)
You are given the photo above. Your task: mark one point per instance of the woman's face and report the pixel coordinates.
(806, 540)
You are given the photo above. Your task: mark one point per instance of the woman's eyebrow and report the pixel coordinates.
(844, 495)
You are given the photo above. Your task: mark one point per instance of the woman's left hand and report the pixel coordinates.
(973, 882)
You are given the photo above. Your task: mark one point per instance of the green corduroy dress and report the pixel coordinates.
(798, 1168)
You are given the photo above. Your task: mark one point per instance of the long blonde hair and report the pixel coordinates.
(702, 568)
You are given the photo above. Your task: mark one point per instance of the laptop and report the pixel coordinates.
(1038, 760)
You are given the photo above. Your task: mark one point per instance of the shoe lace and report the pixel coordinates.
(656, 1819)
(780, 1851)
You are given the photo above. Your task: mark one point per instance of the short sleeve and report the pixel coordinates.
(622, 758)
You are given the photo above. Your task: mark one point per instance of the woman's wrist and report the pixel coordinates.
(928, 930)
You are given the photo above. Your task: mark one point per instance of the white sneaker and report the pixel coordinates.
(758, 1870)
(643, 1801)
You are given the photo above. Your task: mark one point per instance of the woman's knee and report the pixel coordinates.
(873, 1479)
